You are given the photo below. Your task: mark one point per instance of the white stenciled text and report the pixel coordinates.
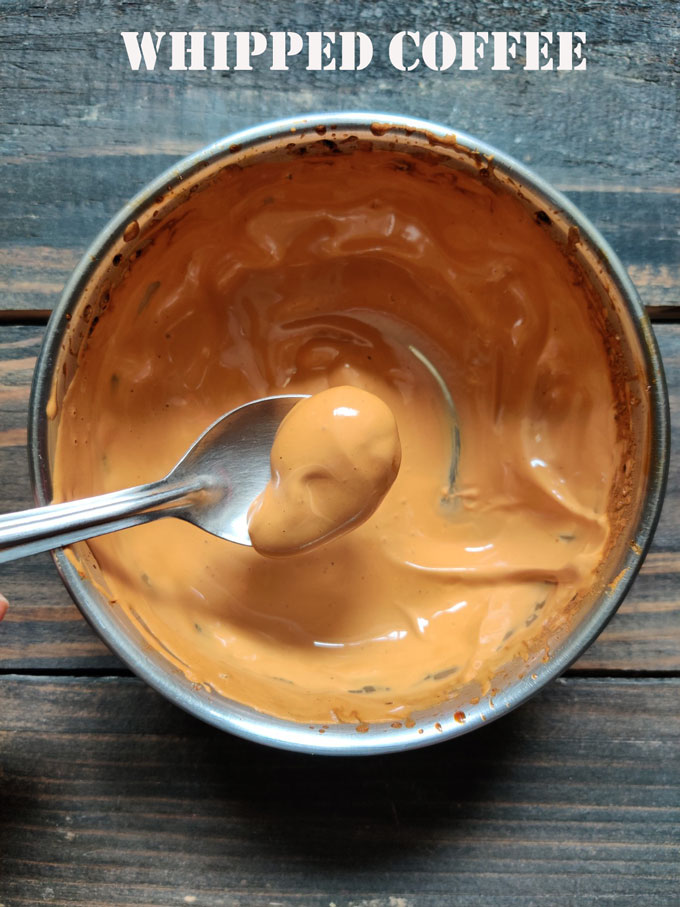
(354, 51)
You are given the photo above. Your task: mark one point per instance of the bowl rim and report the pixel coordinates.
(245, 721)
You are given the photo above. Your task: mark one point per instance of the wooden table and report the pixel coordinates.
(108, 794)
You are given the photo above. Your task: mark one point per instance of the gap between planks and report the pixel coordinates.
(658, 314)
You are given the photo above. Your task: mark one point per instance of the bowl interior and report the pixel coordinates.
(87, 296)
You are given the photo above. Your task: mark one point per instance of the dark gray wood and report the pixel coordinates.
(111, 796)
(44, 631)
(80, 133)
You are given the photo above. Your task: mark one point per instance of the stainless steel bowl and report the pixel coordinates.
(86, 296)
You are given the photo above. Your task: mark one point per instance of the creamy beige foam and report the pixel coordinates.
(399, 277)
(334, 458)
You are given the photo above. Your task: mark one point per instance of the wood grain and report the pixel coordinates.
(81, 133)
(111, 796)
(44, 630)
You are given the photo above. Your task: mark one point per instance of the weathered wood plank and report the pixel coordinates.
(43, 629)
(111, 796)
(80, 133)
(613, 120)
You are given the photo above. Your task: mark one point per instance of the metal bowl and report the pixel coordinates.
(86, 296)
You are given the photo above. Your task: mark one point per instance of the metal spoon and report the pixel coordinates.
(212, 486)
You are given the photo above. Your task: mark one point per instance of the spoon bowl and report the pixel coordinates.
(230, 462)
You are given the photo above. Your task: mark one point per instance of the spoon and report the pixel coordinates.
(212, 486)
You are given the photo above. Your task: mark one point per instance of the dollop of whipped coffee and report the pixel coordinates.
(334, 458)
(391, 274)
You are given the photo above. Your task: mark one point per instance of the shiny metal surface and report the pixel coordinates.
(86, 293)
(212, 486)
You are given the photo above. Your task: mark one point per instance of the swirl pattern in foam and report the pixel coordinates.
(393, 275)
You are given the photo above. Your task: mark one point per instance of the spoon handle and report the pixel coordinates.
(43, 528)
